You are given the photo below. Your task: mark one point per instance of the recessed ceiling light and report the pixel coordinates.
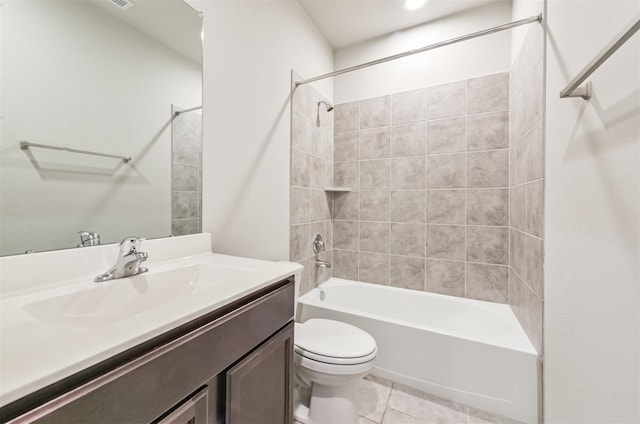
(413, 4)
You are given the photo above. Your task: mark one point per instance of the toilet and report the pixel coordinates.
(329, 357)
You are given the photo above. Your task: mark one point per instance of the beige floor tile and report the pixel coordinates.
(428, 408)
(363, 420)
(477, 416)
(373, 394)
(391, 416)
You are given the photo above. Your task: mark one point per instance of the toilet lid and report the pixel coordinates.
(333, 339)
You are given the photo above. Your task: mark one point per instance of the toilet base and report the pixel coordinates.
(326, 404)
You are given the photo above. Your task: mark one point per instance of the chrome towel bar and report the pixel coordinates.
(24, 145)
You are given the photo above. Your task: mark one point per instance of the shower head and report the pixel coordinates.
(327, 105)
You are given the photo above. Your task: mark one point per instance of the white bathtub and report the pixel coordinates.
(465, 350)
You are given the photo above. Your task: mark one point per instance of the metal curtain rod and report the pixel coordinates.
(24, 145)
(424, 49)
(573, 89)
(178, 112)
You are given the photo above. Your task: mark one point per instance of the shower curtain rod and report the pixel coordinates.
(178, 112)
(424, 49)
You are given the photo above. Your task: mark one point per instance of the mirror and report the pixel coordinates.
(107, 77)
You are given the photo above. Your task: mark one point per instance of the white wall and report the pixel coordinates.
(250, 48)
(76, 92)
(522, 9)
(592, 275)
(477, 57)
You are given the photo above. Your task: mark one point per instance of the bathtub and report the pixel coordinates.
(465, 350)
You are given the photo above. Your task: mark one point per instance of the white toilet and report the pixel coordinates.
(329, 356)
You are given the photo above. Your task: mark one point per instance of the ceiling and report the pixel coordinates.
(347, 22)
(172, 22)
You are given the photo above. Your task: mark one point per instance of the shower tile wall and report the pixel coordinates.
(429, 169)
(311, 172)
(527, 186)
(186, 173)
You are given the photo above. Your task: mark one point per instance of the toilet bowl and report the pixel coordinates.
(329, 357)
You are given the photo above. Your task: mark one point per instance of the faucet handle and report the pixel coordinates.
(130, 245)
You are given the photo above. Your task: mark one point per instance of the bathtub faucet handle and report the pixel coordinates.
(318, 244)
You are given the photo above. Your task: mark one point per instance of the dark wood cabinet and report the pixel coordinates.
(259, 388)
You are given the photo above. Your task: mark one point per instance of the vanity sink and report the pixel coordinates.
(105, 303)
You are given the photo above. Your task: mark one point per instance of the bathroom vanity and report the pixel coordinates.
(204, 338)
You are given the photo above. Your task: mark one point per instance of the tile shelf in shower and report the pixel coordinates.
(337, 189)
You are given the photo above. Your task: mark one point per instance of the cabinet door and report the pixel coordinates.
(260, 387)
(192, 411)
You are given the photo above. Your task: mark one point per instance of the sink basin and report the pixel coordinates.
(103, 304)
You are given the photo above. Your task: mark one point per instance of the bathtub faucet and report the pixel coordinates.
(323, 264)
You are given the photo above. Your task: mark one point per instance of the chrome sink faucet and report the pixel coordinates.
(128, 263)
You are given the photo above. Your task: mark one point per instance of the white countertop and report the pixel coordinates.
(40, 345)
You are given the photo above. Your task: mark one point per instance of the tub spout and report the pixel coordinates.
(323, 264)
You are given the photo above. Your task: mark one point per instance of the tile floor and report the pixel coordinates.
(385, 402)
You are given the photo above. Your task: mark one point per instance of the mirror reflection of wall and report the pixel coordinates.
(87, 75)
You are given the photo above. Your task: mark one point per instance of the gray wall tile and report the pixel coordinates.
(375, 112)
(517, 207)
(374, 237)
(488, 245)
(408, 206)
(346, 206)
(374, 205)
(407, 272)
(409, 106)
(517, 251)
(185, 204)
(408, 139)
(346, 117)
(407, 173)
(374, 268)
(445, 277)
(447, 100)
(527, 307)
(488, 169)
(534, 200)
(185, 149)
(345, 235)
(488, 131)
(185, 177)
(346, 146)
(488, 282)
(488, 93)
(374, 174)
(446, 171)
(181, 227)
(447, 135)
(488, 206)
(319, 205)
(446, 207)
(299, 246)
(347, 174)
(299, 168)
(345, 264)
(300, 198)
(374, 143)
(408, 239)
(534, 260)
(300, 132)
(445, 242)
(320, 173)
